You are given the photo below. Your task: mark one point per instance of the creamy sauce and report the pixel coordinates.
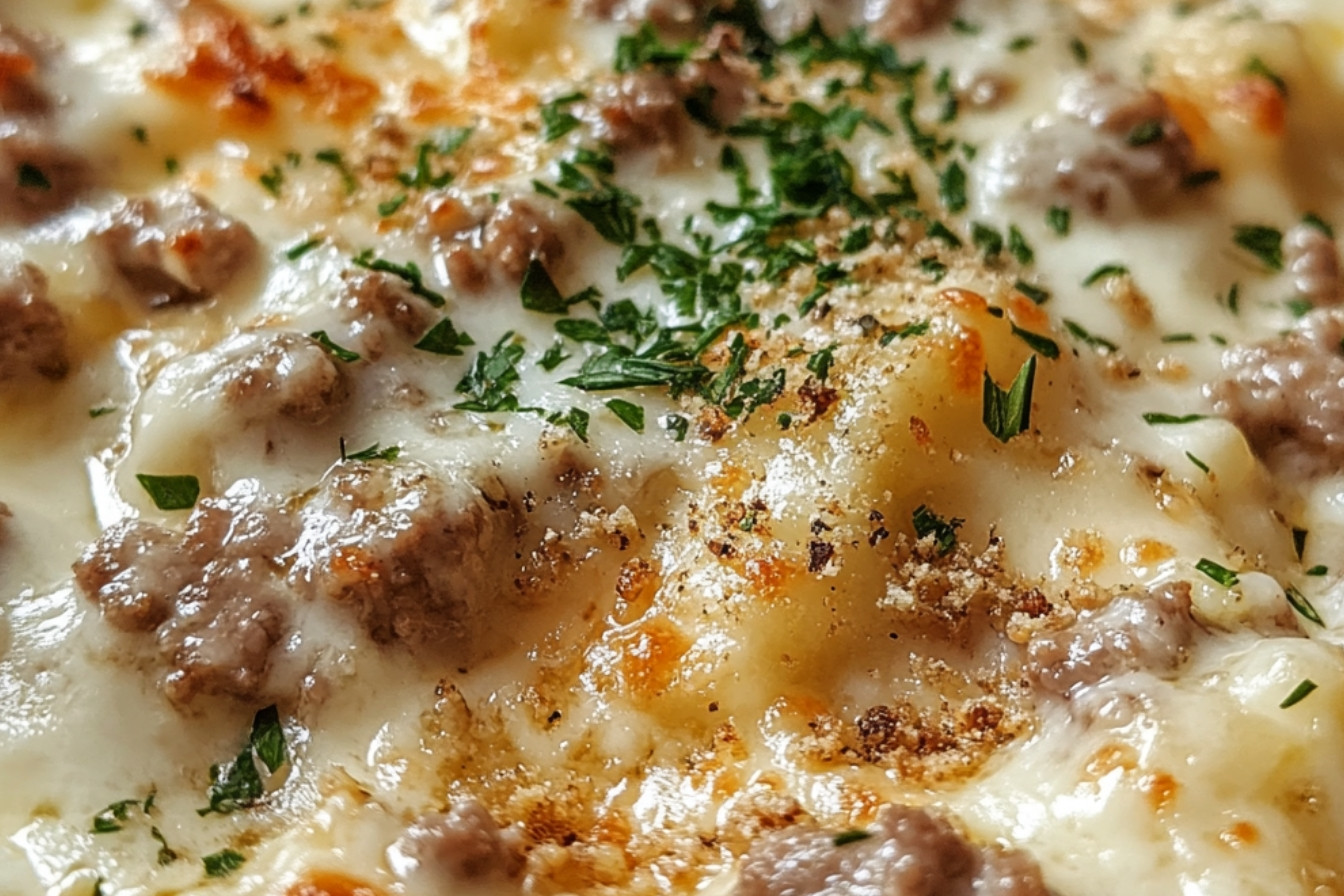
(646, 712)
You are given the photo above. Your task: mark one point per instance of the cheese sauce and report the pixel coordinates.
(926, 359)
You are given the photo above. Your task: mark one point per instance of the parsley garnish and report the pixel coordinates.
(611, 211)
(575, 418)
(95, 413)
(1156, 418)
(854, 835)
(488, 384)
(952, 187)
(914, 328)
(297, 251)
(1059, 219)
(1265, 243)
(167, 855)
(171, 492)
(1256, 66)
(1105, 272)
(631, 414)
(1220, 574)
(237, 784)
(634, 51)
(988, 240)
(1037, 295)
(1079, 332)
(372, 453)
(336, 351)
(444, 339)
(553, 356)
(1305, 687)
(1298, 601)
(944, 532)
(556, 122)
(1315, 221)
(1008, 413)
(539, 292)
(677, 425)
(1020, 43)
(334, 158)
(1197, 462)
(113, 818)
(409, 272)
(390, 206)
(1043, 345)
(272, 179)
(1018, 246)
(1145, 132)
(820, 362)
(223, 863)
(1081, 54)
(32, 177)
(1318, 570)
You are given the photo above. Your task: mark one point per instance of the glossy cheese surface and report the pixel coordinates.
(783, 425)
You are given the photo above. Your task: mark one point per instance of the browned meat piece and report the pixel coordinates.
(1111, 146)
(485, 243)
(1287, 395)
(32, 332)
(177, 248)
(413, 555)
(447, 848)
(908, 852)
(22, 56)
(1313, 262)
(637, 110)
(284, 374)
(213, 595)
(38, 176)
(1151, 631)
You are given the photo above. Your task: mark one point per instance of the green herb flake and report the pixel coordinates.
(1298, 307)
(988, 240)
(1018, 247)
(1059, 218)
(1081, 54)
(1156, 418)
(677, 425)
(1079, 332)
(1008, 413)
(372, 453)
(488, 383)
(32, 177)
(539, 292)
(952, 187)
(1265, 243)
(914, 328)
(1037, 295)
(171, 165)
(629, 413)
(556, 121)
(944, 532)
(820, 362)
(1220, 574)
(391, 206)
(1198, 463)
(1298, 601)
(576, 419)
(336, 351)
(408, 272)
(1020, 43)
(297, 251)
(1256, 66)
(95, 413)
(1042, 345)
(1318, 570)
(1304, 687)
(171, 492)
(444, 339)
(113, 818)
(853, 835)
(1144, 133)
(1171, 338)
(223, 863)
(1316, 222)
(1105, 272)
(272, 180)
(554, 356)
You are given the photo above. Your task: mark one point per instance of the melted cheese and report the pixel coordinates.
(698, 620)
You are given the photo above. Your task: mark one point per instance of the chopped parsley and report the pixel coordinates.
(32, 177)
(1256, 66)
(1018, 247)
(629, 413)
(1318, 570)
(1007, 413)
(444, 339)
(914, 328)
(391, 206)
(408, 272)
(1316, 222)
(272, 180)
(1220, 574)
(298, 250)
(1144, 133)
(114, 817)
(677, 425)
(336, 351)
(1079, 332)
(171, 492)
(854, 835)
(238, 784)
(1265, 243)
(952, 187)
(95, 413)
(556, 121)
(944, 532)
(223, 863)
(1157, 418)
(334, 158)
(1105, 272)
(489, 382)
(575, 418)
(1304, 687)
(372, 453)
(1298, 601)
(1204, 468)
(1037, 295)
(1042, 345)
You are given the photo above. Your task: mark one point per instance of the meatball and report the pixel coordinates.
(908, 852)
(442, 849)
(485, 244)
(32, 331)
(1313, 262)
(281, 374)
(177, 248)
